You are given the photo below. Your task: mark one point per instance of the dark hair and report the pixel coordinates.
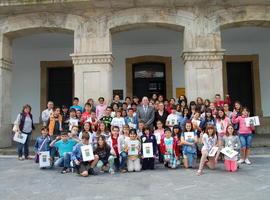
(132, 131)
(26, 106)
(188, 122)
(85, 136)
(101, 98)
(224, 114)
(227, 133)
(127, 98)
(147, 128)
(102, 137)
(210, 126)
(130, 109)
(55, 108)
(72, 110)
(44, 128)
(160, 122)
(117, 127)
(176, 127)
(76, 98)
(90, 129)
(167, 129)
(87, 104)
(64, 133)
(98, 130)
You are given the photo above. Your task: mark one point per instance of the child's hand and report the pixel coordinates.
(58, 137)
(77, 162)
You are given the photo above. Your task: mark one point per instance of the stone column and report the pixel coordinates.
(5, 91)
(203, 74)
(93, 76)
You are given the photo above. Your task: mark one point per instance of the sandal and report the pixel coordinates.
(199, 172)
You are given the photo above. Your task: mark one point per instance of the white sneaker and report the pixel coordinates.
(247, 162)
(241, 161)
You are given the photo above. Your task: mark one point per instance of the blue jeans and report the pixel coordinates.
(245, 140)
(24, 147)
(64, 161)
(123, 160)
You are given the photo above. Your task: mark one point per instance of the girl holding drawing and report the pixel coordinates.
(245, 134)
(189, 141)
(209, 149)
(148, 137)
(232, 141)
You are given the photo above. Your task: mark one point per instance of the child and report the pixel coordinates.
(93, 121)
(87, 129)
(103, 151)
(196, 122)
(221, 124)
(85, 168)
(55, 122)
(64, 146)
(245, 135)
(133, 149)
(118, 120)
(42, 143)
(131, 120)
(101, 107)
(173, 118)
(209, 140)
(74, 134)
(208, 119)
(122, 141)
(107, 119)
(140, 128)
(188, 141)
(76, 104)
(73, 120)
(148, 137)
(113, 143)
(65, 116)
(169, 150)
(87, 113)
(230, 139)
(159, 133)
(101, 131)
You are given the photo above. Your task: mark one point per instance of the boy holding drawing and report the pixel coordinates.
(169, 149)
(42, 143)
(85, 165)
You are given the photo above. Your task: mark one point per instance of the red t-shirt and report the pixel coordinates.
(115, 145)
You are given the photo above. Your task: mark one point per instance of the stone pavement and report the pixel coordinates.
(24, 180)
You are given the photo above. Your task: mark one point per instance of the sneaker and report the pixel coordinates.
(241, 161)
(247, 161)
(91, 171)
(111, 171)
(64, 170)
(123, 171)
(20, 158)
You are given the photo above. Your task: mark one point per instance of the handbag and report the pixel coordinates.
(37, 154)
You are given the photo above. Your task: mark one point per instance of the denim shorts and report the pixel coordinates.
(245, 140)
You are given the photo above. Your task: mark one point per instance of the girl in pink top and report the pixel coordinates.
(159, 133)
(245, 134)
(222, 122)
(100, 108)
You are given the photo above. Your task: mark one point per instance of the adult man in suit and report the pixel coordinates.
(146, 113)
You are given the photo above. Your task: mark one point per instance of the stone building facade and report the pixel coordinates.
(92, 22)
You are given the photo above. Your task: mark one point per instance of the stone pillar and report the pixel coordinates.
(5, 92)
(93, 76)
(203, 74)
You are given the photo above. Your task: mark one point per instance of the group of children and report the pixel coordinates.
(117, 136)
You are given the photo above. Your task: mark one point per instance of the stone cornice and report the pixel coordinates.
(202, 55)
(84, 59)
(5, 64)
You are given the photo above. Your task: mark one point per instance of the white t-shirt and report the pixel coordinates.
(208, 142)
(172, 119)
(120, 122)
